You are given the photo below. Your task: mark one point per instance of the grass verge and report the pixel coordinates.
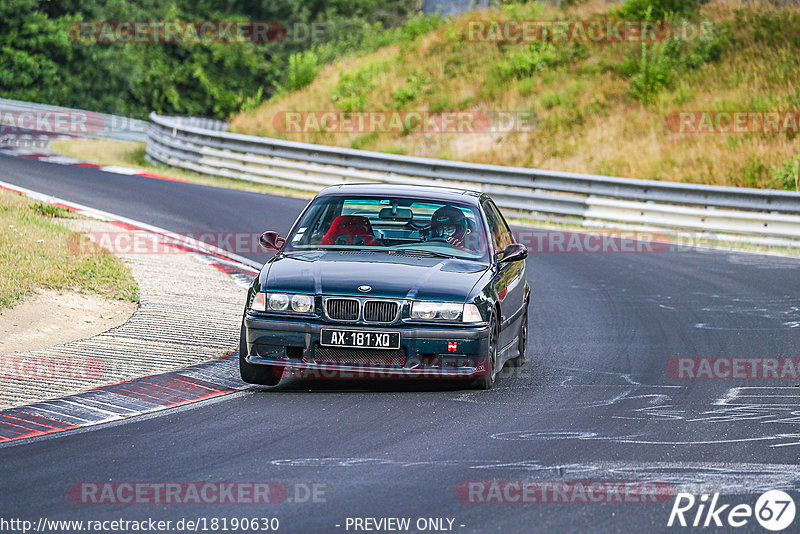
(35, 254)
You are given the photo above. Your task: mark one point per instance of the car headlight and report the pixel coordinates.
(282, 302)
(444, 311)
(278, 302)
(302, 303)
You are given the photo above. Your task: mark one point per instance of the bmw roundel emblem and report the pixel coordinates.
(365, 289)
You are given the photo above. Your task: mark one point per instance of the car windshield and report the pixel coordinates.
(398, 225)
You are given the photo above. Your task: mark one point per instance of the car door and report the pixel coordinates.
(508, 280)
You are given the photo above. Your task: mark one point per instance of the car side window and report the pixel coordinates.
(501, 237)
(509, 237)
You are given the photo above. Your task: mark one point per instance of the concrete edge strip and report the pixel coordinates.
(114, 402)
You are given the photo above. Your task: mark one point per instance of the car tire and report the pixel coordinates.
(487, 381)
(522, 344)
(263, 375)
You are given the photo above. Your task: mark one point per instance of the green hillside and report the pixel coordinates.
(655, 109)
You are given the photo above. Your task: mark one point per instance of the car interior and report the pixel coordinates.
(358, 222)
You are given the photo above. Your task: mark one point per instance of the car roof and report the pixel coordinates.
(408, 191)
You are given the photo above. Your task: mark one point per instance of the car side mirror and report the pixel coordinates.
(272, 240)
(514, 252)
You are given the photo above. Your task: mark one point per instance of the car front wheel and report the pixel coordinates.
(487, 381)
(264, 375)
(522, 343)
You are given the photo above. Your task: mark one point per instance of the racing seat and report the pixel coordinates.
(350, 230)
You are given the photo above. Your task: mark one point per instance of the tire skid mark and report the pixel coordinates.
(689, 476)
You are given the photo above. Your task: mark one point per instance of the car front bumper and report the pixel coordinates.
(426, 351)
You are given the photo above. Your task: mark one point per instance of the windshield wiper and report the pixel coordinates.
(422, 251)
(330, 248)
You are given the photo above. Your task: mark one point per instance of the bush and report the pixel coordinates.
(655, 66)
(534, 58)
(656, 9)
(410, 91)
(351, 90)
(303, 68)
(785, 176)
(651, 72)
(419, 25)
(537, 57)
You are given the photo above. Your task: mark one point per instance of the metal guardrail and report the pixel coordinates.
(754, 214)
(40, 120)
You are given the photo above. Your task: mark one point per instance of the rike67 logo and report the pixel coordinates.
(774, 510)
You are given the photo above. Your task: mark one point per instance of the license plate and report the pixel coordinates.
(360, 339)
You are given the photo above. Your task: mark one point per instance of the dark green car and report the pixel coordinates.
(386, 281)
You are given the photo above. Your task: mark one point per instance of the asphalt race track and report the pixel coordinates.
(593, 403)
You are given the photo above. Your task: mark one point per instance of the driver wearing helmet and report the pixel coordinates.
(448, 224)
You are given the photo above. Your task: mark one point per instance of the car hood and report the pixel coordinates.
(389, 275)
